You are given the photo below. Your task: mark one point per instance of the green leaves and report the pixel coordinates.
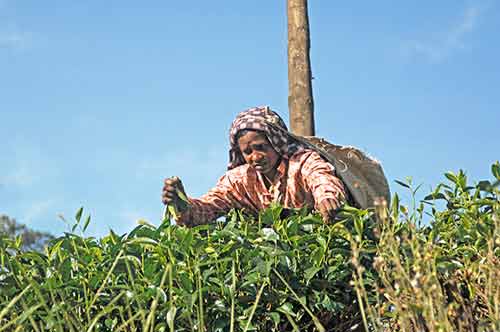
(274, 273)
(402, 184)
(211, 269)
(287, 308)
(171, 318)
(86, 224)
(495, 169)
(78, 216)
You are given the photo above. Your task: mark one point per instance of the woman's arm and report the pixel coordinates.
(327, 189)
(215, 203)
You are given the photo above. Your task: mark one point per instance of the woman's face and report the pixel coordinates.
(259, 153)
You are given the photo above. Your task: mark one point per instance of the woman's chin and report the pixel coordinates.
(263, 170)
(260, 169)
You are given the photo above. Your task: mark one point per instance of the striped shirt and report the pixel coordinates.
(303, 180)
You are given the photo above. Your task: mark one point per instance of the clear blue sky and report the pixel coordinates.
(100, 100)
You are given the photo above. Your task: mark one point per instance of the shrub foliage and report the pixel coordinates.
(417, 268)
(31, 239)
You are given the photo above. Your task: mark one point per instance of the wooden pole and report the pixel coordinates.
(300, 97)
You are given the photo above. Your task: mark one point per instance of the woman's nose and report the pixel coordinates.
(256, 157)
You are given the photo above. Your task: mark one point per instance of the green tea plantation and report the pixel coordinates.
(433, 265)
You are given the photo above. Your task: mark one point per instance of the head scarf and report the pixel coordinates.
(265, 120)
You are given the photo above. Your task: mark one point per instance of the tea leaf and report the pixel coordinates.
(402, 184)
(495, 169)
(78, 214)
(86, 224)
(434, 196)
(287, 308)
(171, 317)
(452, 177)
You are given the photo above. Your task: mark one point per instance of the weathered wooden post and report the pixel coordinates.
(300, 97)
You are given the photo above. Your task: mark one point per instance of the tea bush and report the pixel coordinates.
(443, 276)
(377, 270)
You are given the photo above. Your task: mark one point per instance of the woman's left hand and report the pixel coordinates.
(327, 208)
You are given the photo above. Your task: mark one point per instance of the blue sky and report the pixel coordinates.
(99, 101)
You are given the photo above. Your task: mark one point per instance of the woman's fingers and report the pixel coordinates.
(327, 209)
(171, 188)
(169, 191)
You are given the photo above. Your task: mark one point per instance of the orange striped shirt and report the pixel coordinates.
(303, 180)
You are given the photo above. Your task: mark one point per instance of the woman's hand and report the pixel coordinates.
(173, 193)
(327, 208)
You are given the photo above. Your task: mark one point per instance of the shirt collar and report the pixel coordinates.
(281, 168)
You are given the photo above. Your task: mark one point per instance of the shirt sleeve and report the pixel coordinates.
(215, 203)
(319, 178)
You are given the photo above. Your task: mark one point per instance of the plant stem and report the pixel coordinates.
(315, 319)
(257, 299)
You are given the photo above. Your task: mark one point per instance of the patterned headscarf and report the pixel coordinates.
(267, 121)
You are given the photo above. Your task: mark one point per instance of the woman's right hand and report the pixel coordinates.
(172, 188)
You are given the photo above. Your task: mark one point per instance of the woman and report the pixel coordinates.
(266, 165)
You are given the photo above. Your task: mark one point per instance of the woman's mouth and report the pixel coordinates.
(260, 166)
